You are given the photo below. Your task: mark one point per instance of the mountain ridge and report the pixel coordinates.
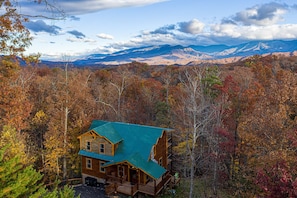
(192, 54)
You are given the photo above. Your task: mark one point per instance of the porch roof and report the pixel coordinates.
(149, 167)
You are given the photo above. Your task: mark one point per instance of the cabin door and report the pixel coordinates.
(121, 171)
(133, 176)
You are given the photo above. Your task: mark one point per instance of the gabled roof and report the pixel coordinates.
(135, 145)
(106, 130)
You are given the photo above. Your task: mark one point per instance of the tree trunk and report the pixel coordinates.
(65, 125)
(192, 173)
(65, 145)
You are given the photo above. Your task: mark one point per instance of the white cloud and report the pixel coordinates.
(286, 31)
(266, 14)
(217, 34)
(78, 7)
(82, 40)
(192, 27)
(87, 6)
(105, 36)
(223, 30)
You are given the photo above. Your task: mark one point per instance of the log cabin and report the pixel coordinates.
(126, 158)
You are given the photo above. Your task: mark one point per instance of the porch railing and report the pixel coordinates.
(127, 188)
(152, 188)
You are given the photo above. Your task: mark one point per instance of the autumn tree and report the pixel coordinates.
(15, 106)
(151, 96)
(14, 40)
(18, 144)
(265, 127)
(69, 110)
(277, 181)
(200, 114)
(110, 94)
(14, 36)
(168, 78)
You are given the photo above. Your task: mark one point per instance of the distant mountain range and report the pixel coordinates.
(189, 55)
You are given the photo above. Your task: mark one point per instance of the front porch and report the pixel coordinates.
(152, 188)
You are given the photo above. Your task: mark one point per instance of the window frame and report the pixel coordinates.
(161, 161)
(121, 169)
(89, 163)
(100, 148)
(102, 170)
(88, 145)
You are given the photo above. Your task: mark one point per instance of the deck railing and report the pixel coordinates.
(127, 188)
(152, 188)
(147, 189)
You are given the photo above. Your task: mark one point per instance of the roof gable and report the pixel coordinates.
(107, 130)
(137, 139)
(97, 123)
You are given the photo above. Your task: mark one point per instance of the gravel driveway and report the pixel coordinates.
(89, 191)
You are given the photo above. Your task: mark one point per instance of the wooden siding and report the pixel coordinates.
(161, 150)
(95, 170)
(95, 144)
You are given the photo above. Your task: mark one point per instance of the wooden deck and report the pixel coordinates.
(127, 189)
(152, 188)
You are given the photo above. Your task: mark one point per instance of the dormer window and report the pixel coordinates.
(88, 146)
(102, 148)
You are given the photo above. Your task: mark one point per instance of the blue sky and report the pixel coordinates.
(106, 26)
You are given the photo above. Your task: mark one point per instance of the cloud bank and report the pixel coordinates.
(78, 7)
(266, 14)
(41, 26)
(77, 34)
(261, 22)
(104, 36)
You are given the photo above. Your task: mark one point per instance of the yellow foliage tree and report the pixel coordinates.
(11, 136)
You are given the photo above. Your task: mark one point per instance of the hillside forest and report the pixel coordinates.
(235, 125)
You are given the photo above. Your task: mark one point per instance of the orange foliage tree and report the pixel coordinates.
(265, 126)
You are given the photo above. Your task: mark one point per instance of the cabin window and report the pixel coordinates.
(88, 145)
(102, 148)
(160, 161)
(121, 171)
(148, 179)
(89, 163)
(101, 163)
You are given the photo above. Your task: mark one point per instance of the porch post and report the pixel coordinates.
(138, 182)
(155, 190)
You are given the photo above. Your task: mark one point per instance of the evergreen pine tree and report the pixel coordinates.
(18, 180)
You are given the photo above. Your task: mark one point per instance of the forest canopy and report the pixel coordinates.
(237, 131)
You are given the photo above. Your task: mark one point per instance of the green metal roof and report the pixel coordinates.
(135, 144)
(148, 166)
(96, 123)
(106, 130)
